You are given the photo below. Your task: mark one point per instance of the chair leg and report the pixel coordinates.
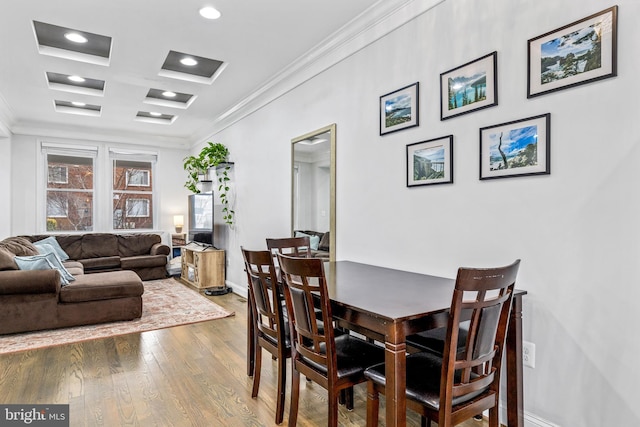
(348, 401)
(373, 403)
(257, 367)
(333, 409)
(282, 380)
(493, 417)
(295, 396)
(424, 421)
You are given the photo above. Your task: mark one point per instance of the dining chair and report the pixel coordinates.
(335, 362)
(458, 384)
(293, 246)
(271, 330)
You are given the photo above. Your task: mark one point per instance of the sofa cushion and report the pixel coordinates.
(102, 286)
(19, 246)
(103, 263)
(96, 245)
(136, 244)
(74, 267)
(6, 260)
(143, 261)
(71, 244)
(49, 243)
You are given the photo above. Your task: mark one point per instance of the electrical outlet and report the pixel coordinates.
(529, 354)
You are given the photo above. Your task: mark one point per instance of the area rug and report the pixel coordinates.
(165, 303)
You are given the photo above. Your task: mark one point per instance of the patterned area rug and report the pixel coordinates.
(165, 303)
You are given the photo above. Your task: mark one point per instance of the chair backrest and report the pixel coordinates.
(266, 299)
(305, 288)
(293, 246)
(484, 297)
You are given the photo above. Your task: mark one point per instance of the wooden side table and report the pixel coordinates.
(203, 267)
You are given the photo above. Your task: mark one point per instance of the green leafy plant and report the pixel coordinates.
(210, 157)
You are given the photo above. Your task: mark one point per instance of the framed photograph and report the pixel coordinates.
(518, 148)
(581, 52)
(469, 87)
(430, 162)
(399, 109)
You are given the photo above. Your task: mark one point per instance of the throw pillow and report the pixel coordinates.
(6, 260)
(45, 262)
(56, 246)
(313, 240)
(19, 246)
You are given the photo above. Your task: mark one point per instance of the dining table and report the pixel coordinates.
(387, 305)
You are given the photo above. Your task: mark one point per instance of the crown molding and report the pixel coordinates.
(374, 23)
(52, 130)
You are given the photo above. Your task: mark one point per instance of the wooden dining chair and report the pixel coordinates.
(335, 362)
(271, 329)
(461, 383)
(293, 246)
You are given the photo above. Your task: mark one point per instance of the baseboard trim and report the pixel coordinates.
(530, 420)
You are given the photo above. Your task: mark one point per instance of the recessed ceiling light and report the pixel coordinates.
(169, 94)
(155, 113)
(78, 104)
(210, 12)
(76, 79)
(189, 62)
(75, 37)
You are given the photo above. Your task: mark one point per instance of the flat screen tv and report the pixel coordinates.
(201, 218)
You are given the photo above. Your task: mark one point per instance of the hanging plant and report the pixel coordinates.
(197, 168)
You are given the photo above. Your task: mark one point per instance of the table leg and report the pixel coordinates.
(395, 390)
(515, 399)
(251, 339)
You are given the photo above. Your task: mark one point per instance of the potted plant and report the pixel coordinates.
(198, 167)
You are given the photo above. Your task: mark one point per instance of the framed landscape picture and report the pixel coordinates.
(581, 52)
(430, 162)
(517, 148)
(469, 87)
(399, 109)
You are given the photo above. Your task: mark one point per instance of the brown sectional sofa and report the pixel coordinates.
(35, 299)
(98, 252)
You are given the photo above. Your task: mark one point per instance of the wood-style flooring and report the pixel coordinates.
(193, 375)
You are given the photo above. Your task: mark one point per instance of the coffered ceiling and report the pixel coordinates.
(132, 57)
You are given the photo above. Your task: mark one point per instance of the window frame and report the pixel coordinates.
(128, 209)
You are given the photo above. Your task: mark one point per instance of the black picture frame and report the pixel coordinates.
(575, 54)
(522, 145)
(470, 87)
(430, 162)
(399, 109)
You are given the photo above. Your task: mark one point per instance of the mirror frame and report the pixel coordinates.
(332, 185)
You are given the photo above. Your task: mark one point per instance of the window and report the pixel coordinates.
(138, 178)
(133, 192)
(69, 194)
(58, 175)
(137, 208)
(57, 207)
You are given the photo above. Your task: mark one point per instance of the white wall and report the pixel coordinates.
(576, 230)
(5, 177)
(25, 152)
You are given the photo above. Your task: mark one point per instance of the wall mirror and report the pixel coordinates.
(313, 186)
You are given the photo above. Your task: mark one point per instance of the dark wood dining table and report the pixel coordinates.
(388, 305)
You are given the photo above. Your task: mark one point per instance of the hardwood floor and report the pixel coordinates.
(193, 375)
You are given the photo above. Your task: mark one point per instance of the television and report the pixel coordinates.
(201, 219)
